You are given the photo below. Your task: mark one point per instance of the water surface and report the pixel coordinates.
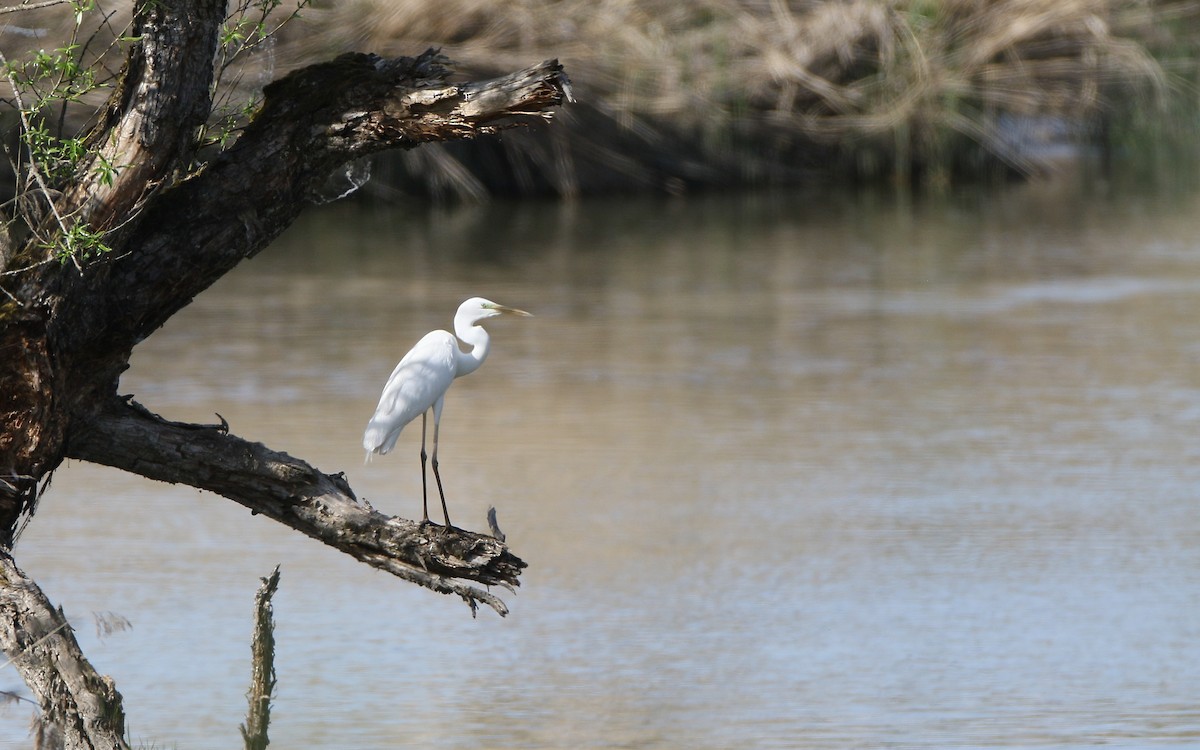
(788, 473)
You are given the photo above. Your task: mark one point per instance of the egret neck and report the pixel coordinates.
(477, 338)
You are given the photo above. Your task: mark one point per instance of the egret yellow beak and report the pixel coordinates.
(510, 310)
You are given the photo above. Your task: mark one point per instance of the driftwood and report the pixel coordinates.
(178, 218)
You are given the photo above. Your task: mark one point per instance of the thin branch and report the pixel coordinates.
(33, 167)
(257, 38)
(31, 6)
(38, 642)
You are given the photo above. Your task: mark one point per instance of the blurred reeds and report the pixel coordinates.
(721, 92)
(748, 92)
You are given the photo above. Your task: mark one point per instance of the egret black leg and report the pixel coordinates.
(436, 475)
(424, 489)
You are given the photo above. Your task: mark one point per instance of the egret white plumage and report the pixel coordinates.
(419, 383)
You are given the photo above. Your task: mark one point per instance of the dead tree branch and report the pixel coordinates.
(297, 495)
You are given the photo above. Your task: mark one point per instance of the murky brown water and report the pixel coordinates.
(787, 475)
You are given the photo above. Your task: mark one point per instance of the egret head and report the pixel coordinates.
(478, 308)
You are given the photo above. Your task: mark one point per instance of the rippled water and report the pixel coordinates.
(788, 474)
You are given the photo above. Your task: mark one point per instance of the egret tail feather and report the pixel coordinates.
(377, 439)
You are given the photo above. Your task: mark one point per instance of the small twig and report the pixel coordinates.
(472, 595)
(38, 642)
(108, 623)
(31, 6)
(11, 696)
(493, 525)
(23, 269)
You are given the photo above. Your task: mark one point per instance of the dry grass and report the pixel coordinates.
(714, 91)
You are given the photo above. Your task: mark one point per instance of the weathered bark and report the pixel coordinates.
(148, 129)
(84, 706)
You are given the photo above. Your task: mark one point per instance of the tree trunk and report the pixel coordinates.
(83, 707)
(67, 329)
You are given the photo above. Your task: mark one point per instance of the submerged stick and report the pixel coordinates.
(262, 670)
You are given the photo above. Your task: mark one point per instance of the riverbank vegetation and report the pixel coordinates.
(675, 96)
(768, 91)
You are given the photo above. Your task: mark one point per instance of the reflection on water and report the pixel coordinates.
(787, 474)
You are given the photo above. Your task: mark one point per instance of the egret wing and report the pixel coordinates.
(420, 379)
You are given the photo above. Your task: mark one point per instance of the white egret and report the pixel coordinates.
(419, 384)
